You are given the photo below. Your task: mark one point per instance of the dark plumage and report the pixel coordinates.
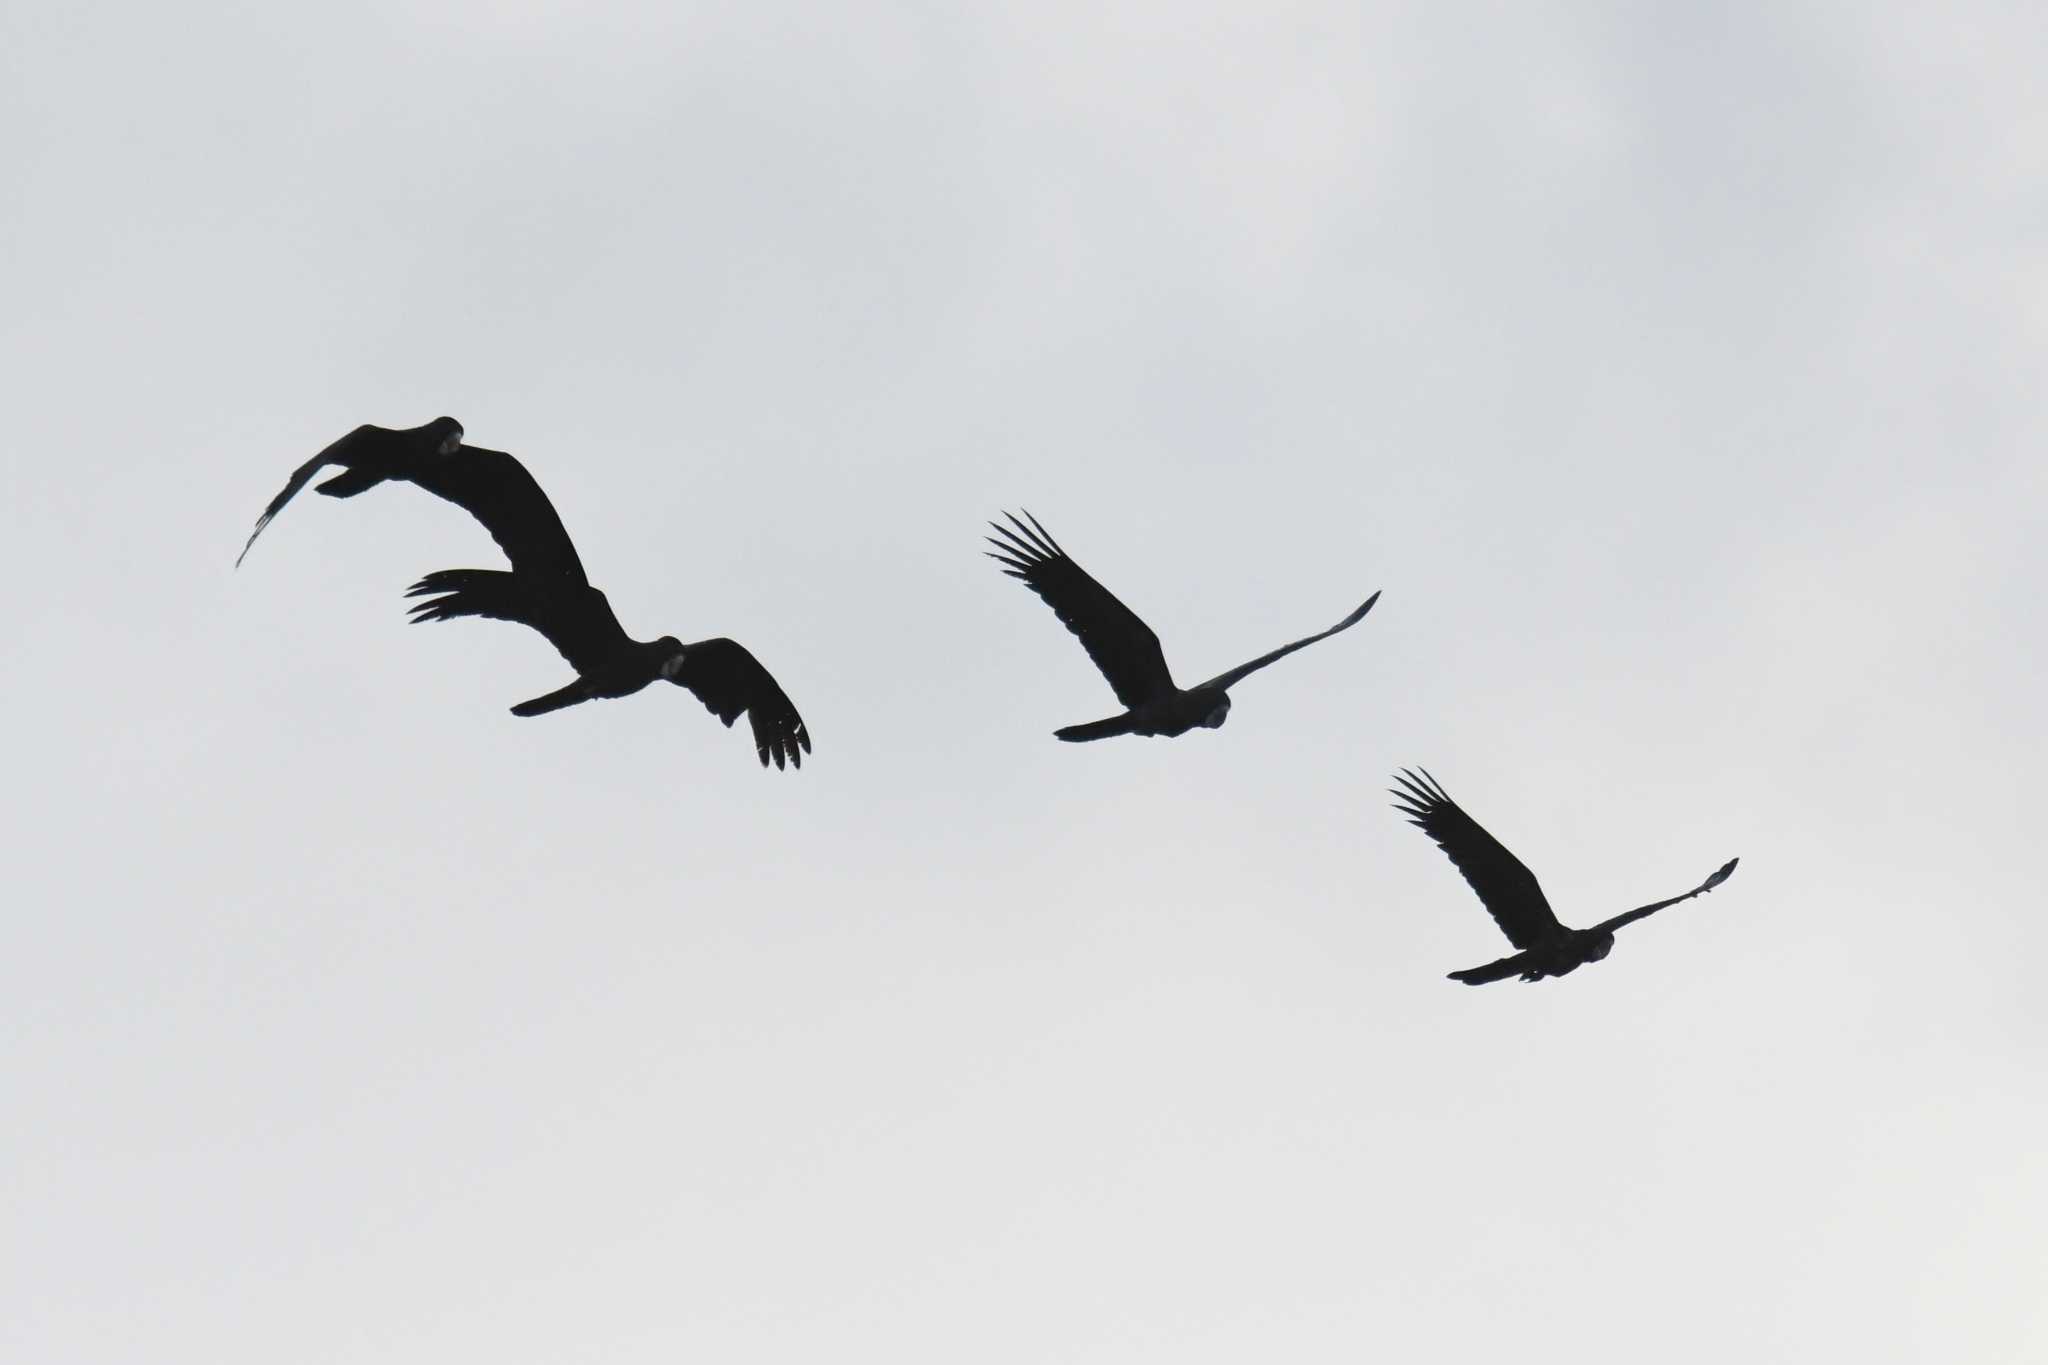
(1121, 644)
(546, 588)
(1510, 893)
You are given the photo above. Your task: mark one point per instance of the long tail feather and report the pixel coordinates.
(1096, 729)
(1492, 971)
(553, 701)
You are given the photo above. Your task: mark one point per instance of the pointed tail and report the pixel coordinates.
(553, 701)
(1492, 971)
(1097, 729)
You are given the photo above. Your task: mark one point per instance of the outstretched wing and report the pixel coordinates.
(1507, 888)
(1224, 680)
(490, 485)
(368, 444)
(576, 618)
(1122, 646)
(729, 680)
(1721, 874)
(498, 491)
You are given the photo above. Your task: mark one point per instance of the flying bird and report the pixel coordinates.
(1510, 893)
(546, 587)
(1122, 646)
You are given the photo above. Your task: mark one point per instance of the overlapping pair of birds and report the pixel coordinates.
(548, 590)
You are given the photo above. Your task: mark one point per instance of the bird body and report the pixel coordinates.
(1123, 647)
(546, 587)
(1558, 956)
(1510, 892)
(1174, 713)
(637, 664)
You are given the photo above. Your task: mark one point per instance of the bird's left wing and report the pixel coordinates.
(1225, 680)
(497, 490)
(577, 618)
(1721, 874)
(729, 681)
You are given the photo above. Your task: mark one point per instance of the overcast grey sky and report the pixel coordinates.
(1674, 370)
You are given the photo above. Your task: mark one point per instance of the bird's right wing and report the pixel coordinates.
(497, 490)
(729, 681)
(1121, 644)
(576, 618)
(1507, 888)
(338, 451)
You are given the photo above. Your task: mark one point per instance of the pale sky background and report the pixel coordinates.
(1676, 371)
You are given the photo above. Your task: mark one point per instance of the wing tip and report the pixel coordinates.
(1033, 538)
(1424, 790)
(250, 543)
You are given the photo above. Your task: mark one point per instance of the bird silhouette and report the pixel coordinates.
(1121, 644)
(1510, 893)
(546, 587)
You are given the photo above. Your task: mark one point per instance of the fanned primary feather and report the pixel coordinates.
(1506, 887)
(1122, 646)
(1510, 892)
(576, 618)
(546, 588)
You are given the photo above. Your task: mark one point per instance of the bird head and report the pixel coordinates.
(1218, 713)
(445, 433)
(672, 658)
(1599, 947)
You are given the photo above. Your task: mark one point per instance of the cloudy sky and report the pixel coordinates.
(1674, 371)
